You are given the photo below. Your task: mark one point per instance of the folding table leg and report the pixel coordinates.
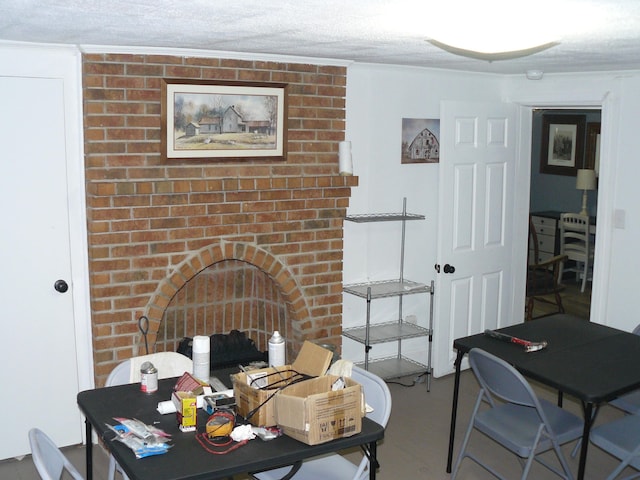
(454, 409)
(588, 421)
(373, 460)
(89, 449)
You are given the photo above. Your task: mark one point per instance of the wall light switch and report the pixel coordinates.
(619, 218)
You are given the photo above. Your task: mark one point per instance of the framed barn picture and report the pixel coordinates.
(223, 120)
(420, 140)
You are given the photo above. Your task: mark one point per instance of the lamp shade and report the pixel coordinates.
(586, 179)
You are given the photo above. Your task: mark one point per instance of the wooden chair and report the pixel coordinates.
(543, 278)
(575, 242)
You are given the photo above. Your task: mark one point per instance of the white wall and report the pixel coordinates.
(378, 98)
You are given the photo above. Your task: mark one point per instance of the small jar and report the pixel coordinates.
(148, 378)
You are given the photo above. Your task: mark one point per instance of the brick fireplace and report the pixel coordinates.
(155, 226)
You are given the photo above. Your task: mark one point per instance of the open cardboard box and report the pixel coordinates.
(312, 412)
(313, 361)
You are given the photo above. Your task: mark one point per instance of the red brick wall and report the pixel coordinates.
(154, 224)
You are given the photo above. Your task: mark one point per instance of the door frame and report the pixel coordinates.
(78, 236)
(609, 108)
(65, 63)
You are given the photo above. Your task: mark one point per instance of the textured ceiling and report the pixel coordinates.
(596, 35)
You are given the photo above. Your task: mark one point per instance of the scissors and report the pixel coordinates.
(143, 325)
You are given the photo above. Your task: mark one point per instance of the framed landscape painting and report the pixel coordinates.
(223, 120)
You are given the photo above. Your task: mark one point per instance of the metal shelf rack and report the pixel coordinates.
(397, 329)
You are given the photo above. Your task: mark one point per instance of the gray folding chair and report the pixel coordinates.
(335, 466)
(630, 402)
(120, 375)
(620, 438)
(48, 459)
(173, 364)
(516, 418)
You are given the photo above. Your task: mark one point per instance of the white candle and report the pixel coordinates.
(345, 160)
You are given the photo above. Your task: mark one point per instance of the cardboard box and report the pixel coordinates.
(186, 410)
(257, 397)
(313, 413)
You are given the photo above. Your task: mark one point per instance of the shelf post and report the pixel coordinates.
(367, 345)
(400, 314)
(429, 371)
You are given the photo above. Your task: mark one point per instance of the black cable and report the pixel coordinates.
(295, 378)
(415, 381)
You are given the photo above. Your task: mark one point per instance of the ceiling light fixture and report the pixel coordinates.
(501, 54)
(492, 29)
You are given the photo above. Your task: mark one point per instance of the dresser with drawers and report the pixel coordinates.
(547, 231)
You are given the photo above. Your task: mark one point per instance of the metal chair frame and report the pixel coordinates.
(48, 459)
(516, 418)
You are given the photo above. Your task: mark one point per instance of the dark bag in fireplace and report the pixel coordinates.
(227, 350)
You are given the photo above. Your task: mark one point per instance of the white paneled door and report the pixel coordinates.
(476, 205)
(39, 370)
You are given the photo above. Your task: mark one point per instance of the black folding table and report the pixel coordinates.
(187, 459)
(592, 362)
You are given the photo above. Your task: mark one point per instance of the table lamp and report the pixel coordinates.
(585, 180)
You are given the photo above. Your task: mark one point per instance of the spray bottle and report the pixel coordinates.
(276, 350)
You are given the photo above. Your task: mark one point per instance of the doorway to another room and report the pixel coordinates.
(564, 170)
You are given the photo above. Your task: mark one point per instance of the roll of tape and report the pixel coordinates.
(166, 407)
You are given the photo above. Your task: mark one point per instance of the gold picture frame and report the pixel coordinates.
(223, 120)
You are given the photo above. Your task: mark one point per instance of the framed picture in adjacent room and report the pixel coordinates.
(592, 156)
(223, 120)
(562, 151)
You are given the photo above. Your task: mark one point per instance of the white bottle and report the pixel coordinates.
(201, 357)
(276, 350)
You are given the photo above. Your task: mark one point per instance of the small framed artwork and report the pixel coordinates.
(223, 120)
(420, 140)
(562, 144)
(592, 157)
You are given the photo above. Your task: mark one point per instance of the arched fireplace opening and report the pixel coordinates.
(228, 295)
(225, 287)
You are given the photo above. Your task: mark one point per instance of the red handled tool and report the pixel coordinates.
(528, 345)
